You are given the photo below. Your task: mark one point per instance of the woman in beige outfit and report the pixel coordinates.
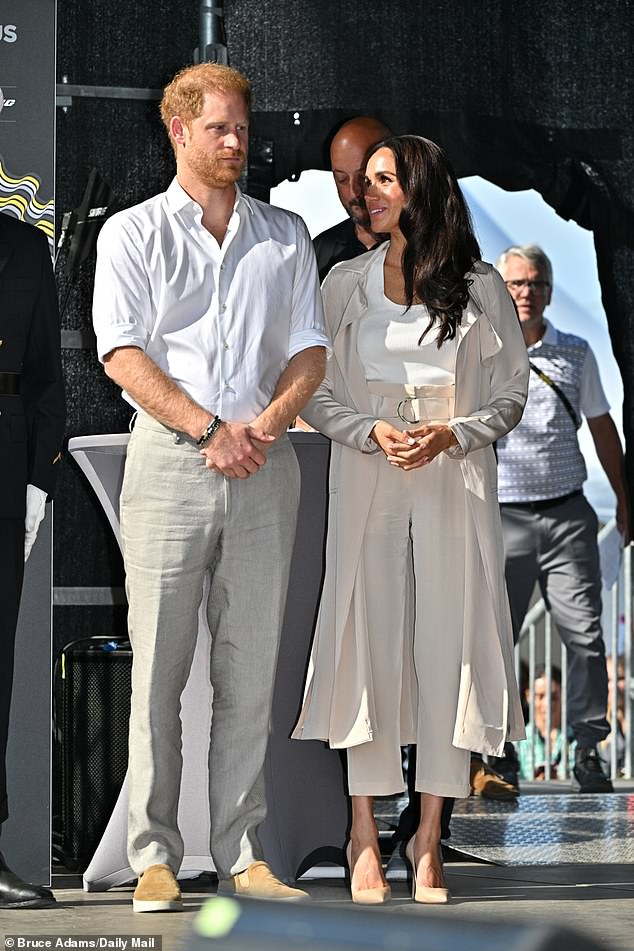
(413, 641)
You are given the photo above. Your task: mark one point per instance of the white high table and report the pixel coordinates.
(307, 812)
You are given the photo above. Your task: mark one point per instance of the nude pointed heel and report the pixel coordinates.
(423, 893)
(367, 896)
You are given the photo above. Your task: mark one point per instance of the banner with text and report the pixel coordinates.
(27, 189)
(27, 112)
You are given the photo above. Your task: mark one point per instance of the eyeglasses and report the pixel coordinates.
(531, 285)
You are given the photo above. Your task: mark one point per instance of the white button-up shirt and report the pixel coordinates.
(221, 320)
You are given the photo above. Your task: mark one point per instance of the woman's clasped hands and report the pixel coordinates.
(415, 447)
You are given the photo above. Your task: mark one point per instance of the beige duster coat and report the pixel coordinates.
(490, 392)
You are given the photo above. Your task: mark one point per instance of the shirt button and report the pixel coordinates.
(227, 387)
(225, 345)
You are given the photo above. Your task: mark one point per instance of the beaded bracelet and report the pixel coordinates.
(212, 428)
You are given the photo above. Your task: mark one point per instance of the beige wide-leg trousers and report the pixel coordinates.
(180, 521)
(414, 548)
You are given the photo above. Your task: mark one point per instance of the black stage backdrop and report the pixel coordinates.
(525, 94)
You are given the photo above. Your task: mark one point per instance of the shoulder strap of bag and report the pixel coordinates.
(560, 393)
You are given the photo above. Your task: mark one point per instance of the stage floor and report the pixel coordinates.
(594, 900)
(553, 830)
(595, 896)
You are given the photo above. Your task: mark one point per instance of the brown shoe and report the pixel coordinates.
(258, 881)
(489, 784)
(157, 890)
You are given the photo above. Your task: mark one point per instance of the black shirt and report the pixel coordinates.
(339, 243)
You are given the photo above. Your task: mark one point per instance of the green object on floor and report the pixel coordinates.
(217, 917)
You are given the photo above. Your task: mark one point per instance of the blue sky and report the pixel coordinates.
(503, 218)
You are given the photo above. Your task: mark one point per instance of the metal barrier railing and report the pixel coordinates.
(538, 632)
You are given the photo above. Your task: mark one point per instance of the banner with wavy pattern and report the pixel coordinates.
(27, 112)
(19, 196)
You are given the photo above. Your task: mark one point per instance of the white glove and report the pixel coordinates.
(35, 503)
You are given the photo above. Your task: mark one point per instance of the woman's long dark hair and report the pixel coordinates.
(441, 246)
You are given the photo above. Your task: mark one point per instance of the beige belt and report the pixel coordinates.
(413, 404)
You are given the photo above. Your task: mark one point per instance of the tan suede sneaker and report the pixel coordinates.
(489, 784)
(157, 890)
(258, 881)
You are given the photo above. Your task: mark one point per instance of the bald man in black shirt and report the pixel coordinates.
(354, 235)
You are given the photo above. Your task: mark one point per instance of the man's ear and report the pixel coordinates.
(549, 295)
(178, 130)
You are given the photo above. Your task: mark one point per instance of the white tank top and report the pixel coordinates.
(388, 344)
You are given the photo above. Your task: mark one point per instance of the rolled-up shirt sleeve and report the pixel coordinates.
(122, 296)
(308, 326)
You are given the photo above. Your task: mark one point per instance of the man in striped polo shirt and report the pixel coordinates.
(550, 529)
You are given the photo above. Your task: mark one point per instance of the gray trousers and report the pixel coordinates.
(557, 548)
(180, 523)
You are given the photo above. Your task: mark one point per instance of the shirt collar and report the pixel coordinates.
(178, 199)
(551, 336)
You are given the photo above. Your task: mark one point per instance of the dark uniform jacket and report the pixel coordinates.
(31, 423)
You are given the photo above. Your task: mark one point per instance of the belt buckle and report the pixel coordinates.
(409, 400)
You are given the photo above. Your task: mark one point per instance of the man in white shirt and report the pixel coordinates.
(208, 315)
(550, 530)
